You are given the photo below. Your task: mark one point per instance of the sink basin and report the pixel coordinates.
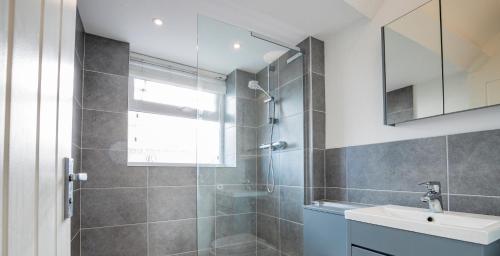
(474, 228)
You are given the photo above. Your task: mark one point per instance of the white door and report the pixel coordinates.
(36, 87)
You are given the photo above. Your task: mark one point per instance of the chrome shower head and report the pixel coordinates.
(254, 85)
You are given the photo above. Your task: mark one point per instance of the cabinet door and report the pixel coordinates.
(356, 251)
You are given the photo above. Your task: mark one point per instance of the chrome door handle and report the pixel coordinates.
(70, 177)
(78, 176)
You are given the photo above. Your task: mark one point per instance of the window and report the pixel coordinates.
(173, 125)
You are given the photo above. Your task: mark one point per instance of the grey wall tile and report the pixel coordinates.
(317, 177)
(206, 233)
(291, 203)
(75, 220)
(115, 241)
(268, 230)
(172, 176)
(318, 129)
(264, 136)
(474, 163)
(265, 250)
(107, 168)
(292, 238)
(242, 79)
(291, 131)
(318, 92)
(108, 207)
(389, 197)
(400, 165)
(263, 77)
(263, 168)
(246, 112)
(291, 71)
(76, 133)
(106, 55)
(335, 167)
(246, 140)
(244, 248)
(231, 84)
(78, 81)
(314, 193)
(291, 168)
(205, 203)
(76, 154)
(243, 173)
(172, 237)
(104, 130)
(230, 111)
(305, 47)
(105, 92)
(235, 199)
(475, 204)
(171, 203)
(79, 37)
(268, 203)
(317, 56)
(75, 246)
(274, 76)
(206, 175)
(291, 98)
(230, 228)
(336, 194)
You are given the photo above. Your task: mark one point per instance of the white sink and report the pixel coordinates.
(474, 228)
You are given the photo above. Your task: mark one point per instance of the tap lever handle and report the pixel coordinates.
(434, 186)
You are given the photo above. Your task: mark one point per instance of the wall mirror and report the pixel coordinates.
(471, 54)
(412, 54)
(441, 58)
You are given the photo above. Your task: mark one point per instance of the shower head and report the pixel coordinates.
(254, 85)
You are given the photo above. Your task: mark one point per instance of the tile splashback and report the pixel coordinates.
(467, 165)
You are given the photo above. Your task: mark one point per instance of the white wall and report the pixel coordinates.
(354, 102)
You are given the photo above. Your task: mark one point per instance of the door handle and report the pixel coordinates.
(70, 178)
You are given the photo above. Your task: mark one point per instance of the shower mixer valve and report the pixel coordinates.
(275, 146)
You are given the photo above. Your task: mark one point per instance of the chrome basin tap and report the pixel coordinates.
(433, 196)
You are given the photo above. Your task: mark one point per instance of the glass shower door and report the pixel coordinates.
(259, 116)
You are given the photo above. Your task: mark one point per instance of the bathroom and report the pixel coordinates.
(237, 128)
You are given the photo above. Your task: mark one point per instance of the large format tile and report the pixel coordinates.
(79, 36)
(291, 130)
(268, 203)
(231, 228)
(231, 84)
(292, 238)
(246, 140)
(171, 237)
(108, 207)
(291, 98)
(78, 81)
(76, 154)
(289, 71)
(400, 165)
(171, 203)
(106, 55)
(75, 220)
(318, 92)
(317, 56)
(318, 129)
(243, 173)
(105, 92)
(206, 233)
(235, 199)
(264, 136)
(475, 204)
(411, 199)
(104, 130)
(246, 112)
(107, 168)
(291, 168)
(268, 230)
(335, 167)
(291, 203)
(75, 246)
(172, 176)
(205, 202)
(316, 175)
(263, 166)
(242, 79)
(474, 163)
(76, 132)
(115, 241)
(336, 194)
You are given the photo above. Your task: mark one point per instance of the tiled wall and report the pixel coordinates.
(76, 133)
(467, 165)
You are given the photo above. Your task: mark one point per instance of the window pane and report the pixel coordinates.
(169, 139)
(174, 95)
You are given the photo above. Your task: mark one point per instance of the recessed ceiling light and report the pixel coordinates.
(236, 45)
(157, 21)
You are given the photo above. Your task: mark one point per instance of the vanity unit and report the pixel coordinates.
(325, 228)
(405, 231)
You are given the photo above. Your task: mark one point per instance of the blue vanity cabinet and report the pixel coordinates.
(373, 240)
(325, 229)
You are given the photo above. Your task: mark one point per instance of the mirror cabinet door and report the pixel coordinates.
(471, 54)
(412, 71)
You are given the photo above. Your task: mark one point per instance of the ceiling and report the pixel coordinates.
(286, 20)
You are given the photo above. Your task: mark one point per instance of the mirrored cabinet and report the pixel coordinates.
(441, 58)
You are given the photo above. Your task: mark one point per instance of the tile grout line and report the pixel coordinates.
(448, 173)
